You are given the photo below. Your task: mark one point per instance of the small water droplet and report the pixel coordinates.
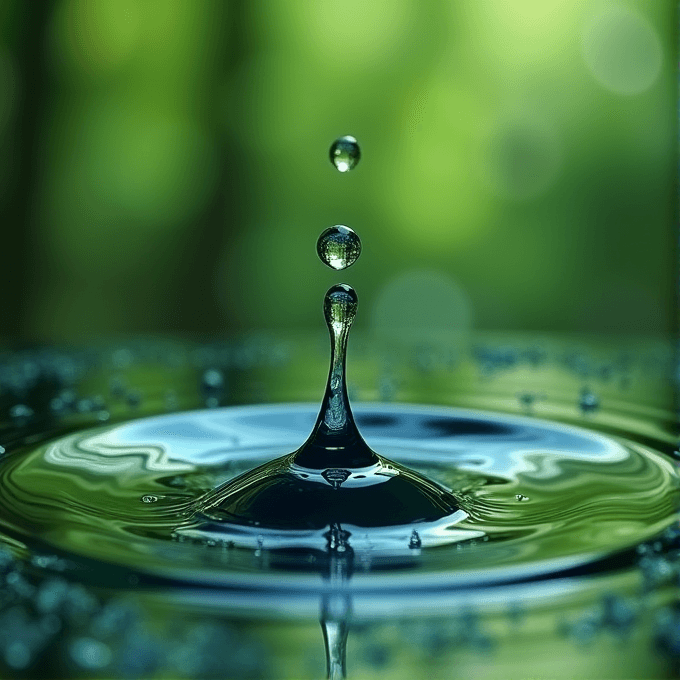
(149, 499)
(521, 497)
(588, 401)
(345, 153)
(414, 542)
(212, 387)
(21, 414)
(338, 247)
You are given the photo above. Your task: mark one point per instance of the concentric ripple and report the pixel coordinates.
(535, 497)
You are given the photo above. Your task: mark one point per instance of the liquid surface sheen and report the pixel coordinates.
(533, 497)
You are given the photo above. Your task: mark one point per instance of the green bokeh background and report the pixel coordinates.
(165, 163)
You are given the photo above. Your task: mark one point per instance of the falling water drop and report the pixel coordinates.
(334, 477)
(345, 153)
(338, 247)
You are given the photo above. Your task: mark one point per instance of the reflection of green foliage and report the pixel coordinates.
(524, 151)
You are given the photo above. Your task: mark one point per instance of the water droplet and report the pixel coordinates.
(527, 400)
(21, 414)
(521, 497)
(149, 499)
(212, 387)
(414, 542)
(588, 401)
(345, 153)
(338, 247)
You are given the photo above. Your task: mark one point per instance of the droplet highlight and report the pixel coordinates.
(339, 247)
(345, 153)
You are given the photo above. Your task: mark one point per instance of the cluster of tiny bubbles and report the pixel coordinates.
(613, 614)
(658, 562)
(434, 637)
(54, 627)
(338, 247)
(345, 153)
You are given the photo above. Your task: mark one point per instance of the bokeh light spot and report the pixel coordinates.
(353, 32)
(97, 37)
(422, 308)
(622, 51)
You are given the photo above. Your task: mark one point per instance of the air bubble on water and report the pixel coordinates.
(345, 153)
(414, 542)
(2, 450)
(149, 498)
(338, 247)
(521, 497)
(588, 401)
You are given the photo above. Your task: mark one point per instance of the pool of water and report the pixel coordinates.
(560, 562)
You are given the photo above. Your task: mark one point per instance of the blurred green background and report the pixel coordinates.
(165, 164)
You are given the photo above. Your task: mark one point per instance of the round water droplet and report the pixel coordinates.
(521, 497)
(338, 247)
(588, 401)
(345, 153)
(149, 499)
